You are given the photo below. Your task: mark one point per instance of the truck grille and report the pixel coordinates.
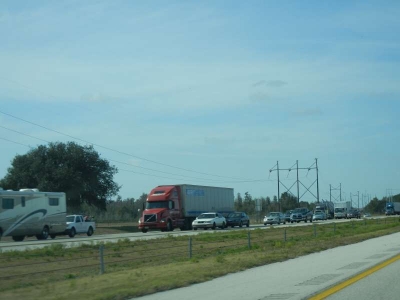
(150, 218)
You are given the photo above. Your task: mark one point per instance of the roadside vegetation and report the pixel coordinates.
(135, 268)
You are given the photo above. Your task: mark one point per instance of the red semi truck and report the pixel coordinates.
(176, 206)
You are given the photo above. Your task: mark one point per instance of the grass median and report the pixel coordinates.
(135, 268)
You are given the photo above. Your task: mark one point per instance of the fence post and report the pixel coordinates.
(248, 239)
(101, 254)
(284, 235)
(315, 230)
(190, 247)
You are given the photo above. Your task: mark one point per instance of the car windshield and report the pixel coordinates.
(206, 216)
(234, 215)
(274, 214)
(70, 218)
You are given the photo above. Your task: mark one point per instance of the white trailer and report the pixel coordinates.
(341, 209)
(29, 212)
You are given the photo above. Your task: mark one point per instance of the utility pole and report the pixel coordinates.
(316, 168)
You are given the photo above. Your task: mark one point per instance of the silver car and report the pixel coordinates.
(275, 218)
(209, 220)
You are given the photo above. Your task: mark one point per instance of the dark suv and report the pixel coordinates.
(237, 219)
(353, 214)
(301, 214)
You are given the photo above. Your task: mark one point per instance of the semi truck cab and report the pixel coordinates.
(162, 209)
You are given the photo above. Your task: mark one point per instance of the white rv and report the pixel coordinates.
(28, 212)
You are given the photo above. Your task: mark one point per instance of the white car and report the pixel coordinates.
(275, 218)
(209, 220)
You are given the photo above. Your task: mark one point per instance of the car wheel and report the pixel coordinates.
(214, 226)
(90, 231)
(240, 224)
(248, 224)
(232, 226)
(223, 225)
(72, 232)
(195, 228)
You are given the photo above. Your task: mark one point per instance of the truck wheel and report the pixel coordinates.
(169, 226)
(90, 231)
(214, 226)
(194, 228)
(248, 224)
(305, 221)
(53, 236)
(18, 238)
(72, 232)
(144, 230)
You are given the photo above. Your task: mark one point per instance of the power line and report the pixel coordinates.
(183, 176)
(15, 142)
(117, 151)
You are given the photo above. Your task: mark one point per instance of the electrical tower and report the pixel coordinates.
(297, 182)
(339, 188)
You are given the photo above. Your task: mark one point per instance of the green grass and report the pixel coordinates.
(61, 273)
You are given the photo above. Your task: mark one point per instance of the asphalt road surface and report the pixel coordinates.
(304, 277)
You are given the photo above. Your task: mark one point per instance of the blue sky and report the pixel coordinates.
(224, 88)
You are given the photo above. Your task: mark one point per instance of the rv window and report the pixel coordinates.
(7, 203)
(23, 201)
(53, 201)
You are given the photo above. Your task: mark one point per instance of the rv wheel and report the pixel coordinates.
(18, 238)
(53, 236)
(44, 235)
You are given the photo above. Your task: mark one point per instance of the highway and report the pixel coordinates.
(307, 277)
(33, 243)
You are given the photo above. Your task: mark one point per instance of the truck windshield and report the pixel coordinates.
(156, 204)
(339, 209)
(70, 218)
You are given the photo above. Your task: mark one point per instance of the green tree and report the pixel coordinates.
(238, 202)
(58, 167)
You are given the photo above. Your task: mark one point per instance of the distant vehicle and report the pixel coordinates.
(237, 219)
(287, 215)
(29, 212)
(301, 214)
(353, 213)
(319, 215)
(392, 208)
(341, 209)
(209, 220)
(274, 218)
(176, 206)
(367, 215)
(76, 224)
(327, 207)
